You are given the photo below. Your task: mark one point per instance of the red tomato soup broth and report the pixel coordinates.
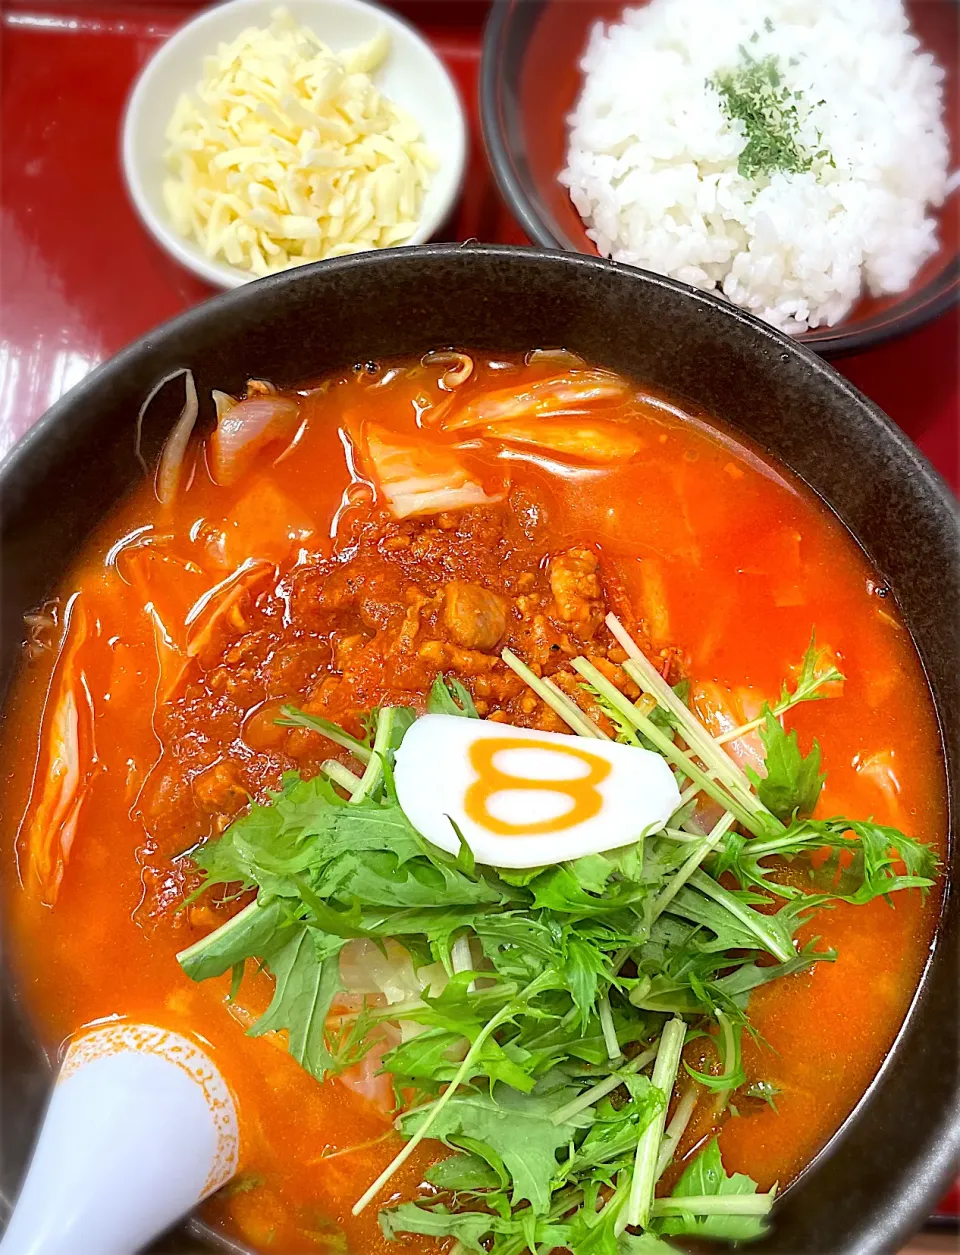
(193, 622)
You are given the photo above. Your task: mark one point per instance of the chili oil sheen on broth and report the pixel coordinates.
(542, 544)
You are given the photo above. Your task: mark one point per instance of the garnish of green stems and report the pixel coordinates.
(546, 1010)
(644, 1177)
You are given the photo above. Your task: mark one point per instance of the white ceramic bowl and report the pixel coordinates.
(412, 75)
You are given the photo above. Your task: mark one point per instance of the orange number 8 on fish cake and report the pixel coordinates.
(585, 798)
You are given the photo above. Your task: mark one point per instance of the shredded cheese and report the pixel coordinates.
(287, 153)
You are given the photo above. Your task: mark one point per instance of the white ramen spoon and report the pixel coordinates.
(140, 1127)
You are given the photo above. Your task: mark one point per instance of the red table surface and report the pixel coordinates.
(81, 278)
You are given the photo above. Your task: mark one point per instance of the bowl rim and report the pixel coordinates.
(411, 255)
(929, 1171)
(186, 252)
(940, 293)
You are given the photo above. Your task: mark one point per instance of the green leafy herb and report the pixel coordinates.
(516, 1127)
(732, 1075)
(469, 1228)
(543, 997)
(765, 1091)
(465, 859)
(307, 972)
(472, 1228)
(251, 931)
(615, 1131)
(449, 697)
(815, 675)
(792, 782)
(706, 1179)
(291, 717)
(754, 94)
(842, 859)
(243, 1183)
(466, 1173)
(627, 733)
(325, 1233)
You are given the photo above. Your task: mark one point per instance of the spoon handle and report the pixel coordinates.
(140, 1127)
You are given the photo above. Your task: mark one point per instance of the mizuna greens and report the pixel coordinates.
(546, 1035)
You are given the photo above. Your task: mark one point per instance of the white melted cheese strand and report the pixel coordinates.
(287, 153)
(445, 773)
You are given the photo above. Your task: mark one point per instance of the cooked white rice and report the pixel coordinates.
(653, 154)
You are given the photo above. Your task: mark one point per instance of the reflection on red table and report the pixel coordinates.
(81, 278)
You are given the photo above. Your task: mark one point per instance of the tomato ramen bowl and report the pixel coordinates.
(503, 705)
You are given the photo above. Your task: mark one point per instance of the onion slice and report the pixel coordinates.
(223, 401)
(555, 357)
(460, 367)
(170, 467)
(246, 428)
(138, 436)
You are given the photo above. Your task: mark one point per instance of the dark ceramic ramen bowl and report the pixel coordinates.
(878, 1177)
(530, 82)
